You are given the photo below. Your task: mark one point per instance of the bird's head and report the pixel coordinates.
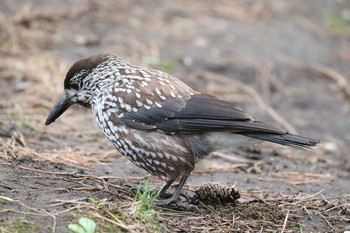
(84, 79)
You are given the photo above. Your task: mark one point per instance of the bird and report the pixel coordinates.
(157, 121)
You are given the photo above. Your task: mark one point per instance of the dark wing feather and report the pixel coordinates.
(285, 139)
(203, 106)
(150, 118)
(200, 113)
(211, 125)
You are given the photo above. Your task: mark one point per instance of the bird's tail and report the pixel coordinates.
(285, 139)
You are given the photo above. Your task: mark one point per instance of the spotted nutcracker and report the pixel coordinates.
(159, 123)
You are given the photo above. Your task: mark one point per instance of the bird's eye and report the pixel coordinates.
(74, 86)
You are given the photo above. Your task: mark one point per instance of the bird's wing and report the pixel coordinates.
(199, 113)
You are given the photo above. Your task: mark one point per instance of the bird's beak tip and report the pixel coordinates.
(47, 122)
(63, 103)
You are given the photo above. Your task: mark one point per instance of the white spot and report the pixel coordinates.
(170, 156)
(147, 106)
(174, 157)
(158, 91)
(150, 102)
(172, 94)
(167, 155)
(128, 90)
(139, 103)
(107, 131)
(137, 163)
(120, 100)
(112, 138)
(189, 92)
(150, 161)
(144, 84)
(134, 156)
(162, 83)
(134, 109)
(171, 168)
(156, 162)
(123, 129)
(110, 124)
(172, 87)
(138, 95)
(158, 105)
(162, 97)
(154, 155)
(128, 107)
(182, 159)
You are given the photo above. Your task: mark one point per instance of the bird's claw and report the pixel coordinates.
(181, 205)
(164, 202)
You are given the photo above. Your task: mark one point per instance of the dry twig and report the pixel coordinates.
(340, 80)
(285, 222)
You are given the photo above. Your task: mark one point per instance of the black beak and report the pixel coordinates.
(63, 103)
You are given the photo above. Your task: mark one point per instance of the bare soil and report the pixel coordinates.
(286, 62)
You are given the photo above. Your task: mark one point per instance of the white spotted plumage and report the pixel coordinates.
(155, 120)
(126, 88)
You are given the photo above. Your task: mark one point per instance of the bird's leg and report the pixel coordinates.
(164, 188)
(176, 194)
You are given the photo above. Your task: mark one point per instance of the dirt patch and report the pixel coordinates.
(284, 62)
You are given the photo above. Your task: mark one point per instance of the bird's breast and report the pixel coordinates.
(160, 154)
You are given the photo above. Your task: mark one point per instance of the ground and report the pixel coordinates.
(286, 62)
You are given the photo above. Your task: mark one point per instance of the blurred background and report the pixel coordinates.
(286, 62)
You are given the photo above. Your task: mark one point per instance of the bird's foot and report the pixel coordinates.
(171, 202)
(164, 202)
